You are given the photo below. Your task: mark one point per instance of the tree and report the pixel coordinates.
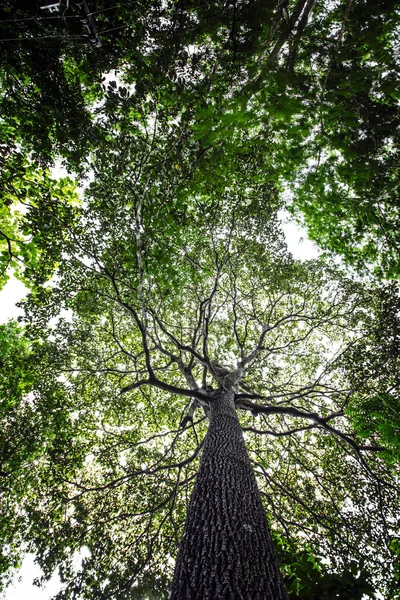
(226, 520)
(224, 307)
(13, 353)
(181, 297)
(348, 194)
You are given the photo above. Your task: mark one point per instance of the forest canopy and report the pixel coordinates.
(160, 280)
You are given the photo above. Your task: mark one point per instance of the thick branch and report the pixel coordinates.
(167, 387)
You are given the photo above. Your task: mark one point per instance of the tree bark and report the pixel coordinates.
(226, 552)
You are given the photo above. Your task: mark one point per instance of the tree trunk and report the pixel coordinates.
(226, 550)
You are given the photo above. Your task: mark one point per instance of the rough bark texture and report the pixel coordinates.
(226, 550)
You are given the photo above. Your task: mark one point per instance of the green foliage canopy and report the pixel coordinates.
(321, 78)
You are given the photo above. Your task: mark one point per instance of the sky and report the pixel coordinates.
(14, 291)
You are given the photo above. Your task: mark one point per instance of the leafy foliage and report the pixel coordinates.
(374, 407)
(318, 81)
(19, 438)
(306, 577)
(35, 209)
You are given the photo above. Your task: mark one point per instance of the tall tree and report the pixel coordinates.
(182, 300)
(187, 303)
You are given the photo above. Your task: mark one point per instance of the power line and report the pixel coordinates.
(38, 18)
(41, 37)
(97, 12)
(44, 37)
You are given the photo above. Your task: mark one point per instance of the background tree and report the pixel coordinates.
(322, 76)
(28, 433)
(33, 206)
(374, 407)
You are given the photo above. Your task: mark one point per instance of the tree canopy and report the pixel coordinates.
(159, 275)
(322, 78)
